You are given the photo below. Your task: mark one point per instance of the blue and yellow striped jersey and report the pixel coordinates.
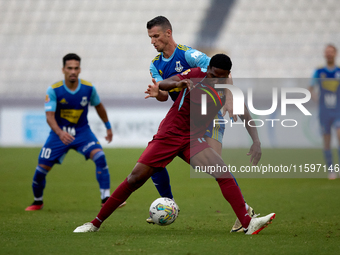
(328, 82)
(182, 59)
(71, 107)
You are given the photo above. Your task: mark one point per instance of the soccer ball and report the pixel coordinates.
(163, 211)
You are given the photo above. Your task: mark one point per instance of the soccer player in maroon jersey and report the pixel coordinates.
(180, 134)
(174, 59)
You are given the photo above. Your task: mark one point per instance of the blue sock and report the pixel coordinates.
(328, 157)
(39, 182)
(102, 170)
(162, 182)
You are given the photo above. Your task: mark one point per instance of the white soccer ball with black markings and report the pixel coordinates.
(163, 211)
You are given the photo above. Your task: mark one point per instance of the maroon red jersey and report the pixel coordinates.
(181, 131)
(184, 117)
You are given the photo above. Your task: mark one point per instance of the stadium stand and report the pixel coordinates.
(110, 36)
(264, 38)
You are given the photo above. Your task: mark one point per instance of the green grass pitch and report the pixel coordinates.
(307, 209)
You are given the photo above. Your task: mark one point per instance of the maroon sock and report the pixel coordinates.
(233, 195)
(122, 192)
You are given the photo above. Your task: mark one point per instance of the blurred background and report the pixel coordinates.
(271, 43)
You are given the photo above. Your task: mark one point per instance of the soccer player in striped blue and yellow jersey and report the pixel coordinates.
(66, 107)
(327, 80)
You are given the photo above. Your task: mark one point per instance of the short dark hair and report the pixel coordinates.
(332, 46)
(70, 56)
(159, 21)
(221, 61)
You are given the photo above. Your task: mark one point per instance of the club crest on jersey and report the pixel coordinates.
(83, 102)
(63, 101)
(178, 67)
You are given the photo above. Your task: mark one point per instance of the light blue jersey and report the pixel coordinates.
(182, 59)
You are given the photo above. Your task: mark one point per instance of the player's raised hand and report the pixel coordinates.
(153, 89)
(66, 138)
(109, 135)
(255, 153)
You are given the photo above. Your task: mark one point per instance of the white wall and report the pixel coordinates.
(134, 127)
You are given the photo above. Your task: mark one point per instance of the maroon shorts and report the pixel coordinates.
(161, 151)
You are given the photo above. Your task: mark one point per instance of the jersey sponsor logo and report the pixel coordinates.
(72, 115)
(186, 72)
(47, 99)
(84, 102)
(196, 54)
(178, 67)
(212, 94)
(330, 85)
(160, 72)
(63, 101)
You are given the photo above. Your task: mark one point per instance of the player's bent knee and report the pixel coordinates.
(45, 167)
(94, 152)
(140, 174)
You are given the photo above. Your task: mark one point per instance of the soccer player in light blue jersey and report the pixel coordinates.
(327, 80)
(66, 107)
(173, 59)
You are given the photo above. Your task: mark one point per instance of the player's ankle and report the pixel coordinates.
(97, 222)
(37, 202)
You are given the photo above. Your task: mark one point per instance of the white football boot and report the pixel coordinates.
(257, 224)
(87, 227)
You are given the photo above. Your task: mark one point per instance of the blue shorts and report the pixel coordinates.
(217, 131)
(54, 150)
(327, 121)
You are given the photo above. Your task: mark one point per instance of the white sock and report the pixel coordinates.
(104, 193)
(247, 206)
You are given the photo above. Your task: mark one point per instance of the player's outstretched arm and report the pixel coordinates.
(175, 82)
(255, 152)
(103, 115)
(153, 91)
(65, 137)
